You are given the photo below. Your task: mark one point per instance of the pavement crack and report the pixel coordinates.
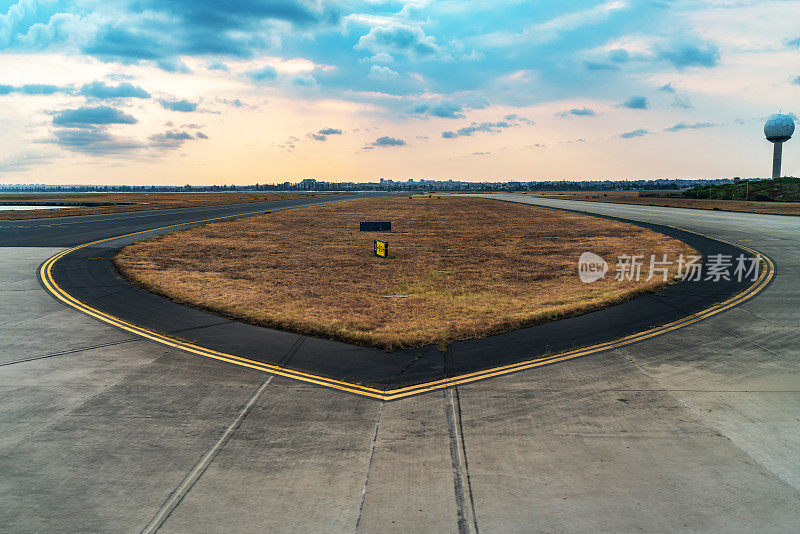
(205, 460)
(369, 468)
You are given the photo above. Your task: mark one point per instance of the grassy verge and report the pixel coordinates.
(461, 268)
(134, 202)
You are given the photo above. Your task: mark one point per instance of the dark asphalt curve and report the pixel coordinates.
(88, 276)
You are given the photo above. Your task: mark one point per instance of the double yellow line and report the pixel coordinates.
(46, 276)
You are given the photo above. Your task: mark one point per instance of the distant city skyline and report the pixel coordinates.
(159, 92)
(383, 184)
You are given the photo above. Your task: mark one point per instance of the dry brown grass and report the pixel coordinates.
(632, 197)
(143, 202)
(471, 267)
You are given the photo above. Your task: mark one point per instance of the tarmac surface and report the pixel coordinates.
(694, 430)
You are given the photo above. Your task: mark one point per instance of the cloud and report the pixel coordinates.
(398, 38)
(686, 126)
(682, 102)
(493, 127)
(94, 141)
(480, 153)
(635, 133)
(323, 134)
(40, 89)
(304, 80)
(382, 74)
(589, 64)
(636, 102)
(263, 74)
(386, 142)
(236, 103)
(796, 81)
(382, 57)
(161, 32)
(173, 64)
(554, 28)
(200, 135)
(794, 42)
(476, 101)
(619, 55)
(490, 127)
(444, 109)
(100, 90)
(85, 130)
(516, 118)
(89, 116)
(684, 55)
(172, 139)
(34, 89)
(217, 65)
(184, 106)
(580, 112)
(24, 161)
(667, 88)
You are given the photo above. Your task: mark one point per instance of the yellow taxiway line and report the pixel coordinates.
(46, 276)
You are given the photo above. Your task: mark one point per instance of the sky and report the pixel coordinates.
(265, 91)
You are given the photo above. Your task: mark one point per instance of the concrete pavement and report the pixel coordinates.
(696, 430)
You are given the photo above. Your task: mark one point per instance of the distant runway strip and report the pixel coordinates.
(83, 277)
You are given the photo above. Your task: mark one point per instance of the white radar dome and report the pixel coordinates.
(779, 128)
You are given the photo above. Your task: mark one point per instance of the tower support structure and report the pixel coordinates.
(777, 153)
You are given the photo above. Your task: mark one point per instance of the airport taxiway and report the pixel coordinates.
(694, 430)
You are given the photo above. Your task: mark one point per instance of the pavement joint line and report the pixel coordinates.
(205, 460)
(774, 322)
(462, 487)
(369, 469)
(734, 334)
(659, 384)
(45, 275)
(71, 351)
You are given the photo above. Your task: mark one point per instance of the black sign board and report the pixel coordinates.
(376, 226)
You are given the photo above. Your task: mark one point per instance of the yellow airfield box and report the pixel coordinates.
(381, 248)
